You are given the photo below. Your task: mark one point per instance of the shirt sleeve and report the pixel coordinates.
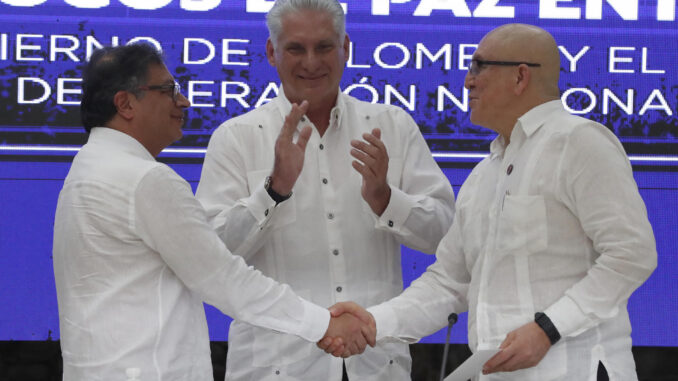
(421, 207)
(172, 222)
(423, 308)
(240, 219)
(599, 188)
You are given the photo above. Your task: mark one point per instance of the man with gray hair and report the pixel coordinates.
(329, 222)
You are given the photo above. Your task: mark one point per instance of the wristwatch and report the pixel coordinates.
(277, 197)
(546, 324)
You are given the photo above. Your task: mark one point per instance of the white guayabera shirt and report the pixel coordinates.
(552, 222)
(134, 258)
(325, 241)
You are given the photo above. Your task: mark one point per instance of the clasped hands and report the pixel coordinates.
(351, 329)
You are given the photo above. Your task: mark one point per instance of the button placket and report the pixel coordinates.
(337, 263)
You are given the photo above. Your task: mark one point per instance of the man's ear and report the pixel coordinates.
(123, 103)
(523, 79)
(270, 52)
(346, 47)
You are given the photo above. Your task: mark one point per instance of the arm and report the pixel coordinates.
(601, 191)
(171, 222)
(240, 215)
(424, 306)
(419, 208)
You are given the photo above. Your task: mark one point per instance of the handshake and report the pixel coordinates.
(351, 329)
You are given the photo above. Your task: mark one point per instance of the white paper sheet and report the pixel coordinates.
(472, 366)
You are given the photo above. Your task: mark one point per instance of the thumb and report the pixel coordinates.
(377, 133)
(338, 309)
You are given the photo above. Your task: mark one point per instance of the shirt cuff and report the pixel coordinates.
(567, 317)
(261, 205)
(396, 212)
(386, 320)
(316, 321)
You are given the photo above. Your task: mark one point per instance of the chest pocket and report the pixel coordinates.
(522, 225)
(285, 213)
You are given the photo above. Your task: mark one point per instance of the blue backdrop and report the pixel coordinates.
(618, 67)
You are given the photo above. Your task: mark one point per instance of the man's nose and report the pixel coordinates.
(182, 101)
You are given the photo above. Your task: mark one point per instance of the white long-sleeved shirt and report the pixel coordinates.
(134, 257)
(325, 241)
(552, 222)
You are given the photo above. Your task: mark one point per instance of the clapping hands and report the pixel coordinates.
(351, 329)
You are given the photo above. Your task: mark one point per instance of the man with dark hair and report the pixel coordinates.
(134, 256)
(369, 184)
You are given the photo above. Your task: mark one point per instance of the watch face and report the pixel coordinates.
(267, 183)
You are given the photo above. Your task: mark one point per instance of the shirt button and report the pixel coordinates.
(390, 223)
(390, 361)
(322, 146)
(303, 119)
(330, 216)
(277, 372)
(324, 181)
(509, 169)
(339, 289)
(266, 212)
(335, 252)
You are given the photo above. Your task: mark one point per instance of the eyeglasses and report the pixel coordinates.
(174, 88)
(477, 65)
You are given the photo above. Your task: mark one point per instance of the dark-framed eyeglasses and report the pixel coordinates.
(172, 89)
(477, 65)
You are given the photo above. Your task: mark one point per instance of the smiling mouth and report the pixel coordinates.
(312, 78)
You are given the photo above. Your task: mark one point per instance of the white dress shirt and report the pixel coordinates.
(552, 222)
(134, 257)
(325, 241)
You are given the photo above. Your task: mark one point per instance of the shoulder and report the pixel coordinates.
(266, 118)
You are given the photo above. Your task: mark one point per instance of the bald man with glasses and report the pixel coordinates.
(550, 235)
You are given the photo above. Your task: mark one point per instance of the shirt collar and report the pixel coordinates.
(339, 109)
(537, 116)
(118, 140)
(526, 125)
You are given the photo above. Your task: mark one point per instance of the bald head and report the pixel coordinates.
(528, 43)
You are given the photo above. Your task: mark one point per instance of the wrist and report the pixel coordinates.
(276, 196)
(545, 323)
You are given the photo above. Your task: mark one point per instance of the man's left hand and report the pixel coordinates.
(372, 163)
(522, 348)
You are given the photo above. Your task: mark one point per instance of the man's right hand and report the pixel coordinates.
(289, 156)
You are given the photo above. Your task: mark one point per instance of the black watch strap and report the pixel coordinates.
(277, 197)
(546, 324)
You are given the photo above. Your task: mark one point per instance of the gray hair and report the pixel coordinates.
(283, 7)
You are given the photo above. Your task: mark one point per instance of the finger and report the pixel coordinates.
(369, 332)
(361, 313)
(304, 135)
(493, 363)
(292, 120)
(367, 174)
(325, 343)
(375, 141)
(367, 148)
(338, 309)
(361, 343)
(339, 352)
(376, 132)
(353, 348)
(364, 158)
